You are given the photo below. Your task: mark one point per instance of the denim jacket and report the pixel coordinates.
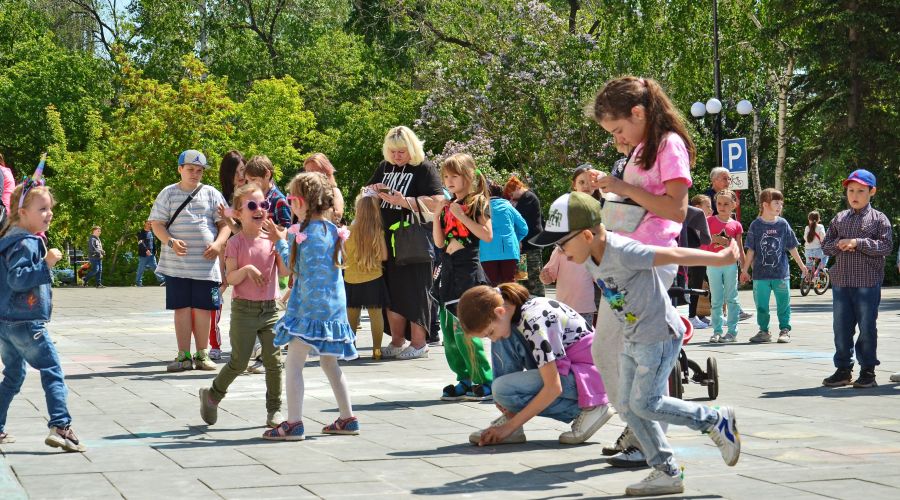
(25, 293)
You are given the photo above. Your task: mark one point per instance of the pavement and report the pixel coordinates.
(146, 439)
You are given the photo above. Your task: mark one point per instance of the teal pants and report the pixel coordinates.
(762, 291)
(465, 355)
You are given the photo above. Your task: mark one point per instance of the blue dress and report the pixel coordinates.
(317, 309)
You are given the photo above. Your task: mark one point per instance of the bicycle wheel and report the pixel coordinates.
(823, 282)
(805, 286)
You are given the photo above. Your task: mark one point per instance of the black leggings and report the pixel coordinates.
(696, 276)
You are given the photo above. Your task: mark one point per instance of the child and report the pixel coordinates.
(723, 280)
(627, 271)
(860, 238)
(252, 267)
(768, 239)
(541, 350)
(25, 306)
(813, 236)
(581, 180)
(459, 225)
(95, 255)
(697, 274)
(366, 251)
(315, 320)
(259, 171)
(185, 219)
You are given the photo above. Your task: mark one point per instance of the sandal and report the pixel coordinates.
(456, 392)
(285, 432)
(479, 392)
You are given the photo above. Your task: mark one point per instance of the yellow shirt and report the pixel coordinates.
(353, 274)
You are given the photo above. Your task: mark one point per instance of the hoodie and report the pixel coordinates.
(509, 227)
(25, 292)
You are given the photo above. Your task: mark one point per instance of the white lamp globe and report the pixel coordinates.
(744, 107)
(698, 109)
(713, 106)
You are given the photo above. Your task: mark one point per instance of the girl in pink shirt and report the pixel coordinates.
(723, 287)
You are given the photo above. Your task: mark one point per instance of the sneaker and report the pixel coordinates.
(285, 432)
(895, 377)
(456, 392)
(479, 392)
(209, 408)
(728, 338)
(725, 434)
(215, 354)
(840, 377)
(697, 324)
(182, 362)
(657, 483)
(390, 351)
(744, 316)
(65, 438)
(343, 426)
(100, 286)
(586, 424)
(624, 440)
(866, 379)
(629, 458)
(715, 338)
(784, 336)
(517, 436)
(705, 319)
(6, 438)
(202, 361)
(256, 367)
(162, 283)
(761, 337)
(412, 353)
(273, 418)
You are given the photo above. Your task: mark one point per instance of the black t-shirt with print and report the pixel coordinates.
(408, 180)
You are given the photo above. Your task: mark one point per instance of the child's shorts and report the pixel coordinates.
(187, 292)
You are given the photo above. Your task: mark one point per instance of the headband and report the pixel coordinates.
(35, 180)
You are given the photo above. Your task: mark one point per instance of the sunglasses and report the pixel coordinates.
(561, 243)
(252, 205)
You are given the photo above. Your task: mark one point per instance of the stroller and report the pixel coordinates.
(681, 372)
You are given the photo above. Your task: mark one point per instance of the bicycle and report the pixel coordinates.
(817, 278)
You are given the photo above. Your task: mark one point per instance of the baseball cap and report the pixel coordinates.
(570, 212)
(192, 157)
(861, 176)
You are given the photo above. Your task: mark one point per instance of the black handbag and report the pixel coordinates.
(412, 240)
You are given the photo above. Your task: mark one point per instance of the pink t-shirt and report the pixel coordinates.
(8, 184)
(732, 229)
(574, 284)
(672, 162)
(260, 253)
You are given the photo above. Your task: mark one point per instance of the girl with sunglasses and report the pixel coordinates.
(252, 267)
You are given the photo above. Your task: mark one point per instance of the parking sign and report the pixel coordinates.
(734, 158)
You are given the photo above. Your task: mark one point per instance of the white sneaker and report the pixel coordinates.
(517, 436)
(657, 483)
(256, 367)
(215, 354)
(698, 323)
(895, 377)
(728, 338)
(631, 458)
(412, 353)
(715, 339)
(726, 436)
(586, 424)
(389, 351)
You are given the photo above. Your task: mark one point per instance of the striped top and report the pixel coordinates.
(195, 225)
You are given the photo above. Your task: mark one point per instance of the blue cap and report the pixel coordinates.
(192, 157)
(861, 176)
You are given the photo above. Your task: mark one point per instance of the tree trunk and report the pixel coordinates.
(573, 15)
(754, 156)
(784, 86)
(854, 100)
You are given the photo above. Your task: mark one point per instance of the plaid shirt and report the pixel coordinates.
(279, 209)
(863, 268)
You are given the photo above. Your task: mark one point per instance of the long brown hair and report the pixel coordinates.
(768, 195)
(476, 307)
(315, 191)
(813, 219)
(478, 197)
(13, 218)
(618, 96)
(367, 234)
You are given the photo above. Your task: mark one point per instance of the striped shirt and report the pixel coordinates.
(195, 225)
(863, 268)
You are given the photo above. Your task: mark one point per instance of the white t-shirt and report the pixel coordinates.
(817, 241)
(195, 225)
(549, 326)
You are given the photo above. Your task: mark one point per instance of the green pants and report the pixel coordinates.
(762, 291)
(463, 352)
(251, 319)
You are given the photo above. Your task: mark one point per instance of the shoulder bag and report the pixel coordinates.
(183, 204)
(411, 240)
(621, 215)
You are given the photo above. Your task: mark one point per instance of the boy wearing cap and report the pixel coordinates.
(626, 272)
(185, 219)
(859, 238)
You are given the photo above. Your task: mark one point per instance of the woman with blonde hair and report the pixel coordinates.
(401, 179)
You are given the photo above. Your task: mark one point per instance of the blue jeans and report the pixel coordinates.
(723, 289)
(517, 380)
(147, 262)
(643, 377)
(29, 342)
(855, 306)
(96, 269)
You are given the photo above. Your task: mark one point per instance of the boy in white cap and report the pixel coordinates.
(193, 235)
(625, 271)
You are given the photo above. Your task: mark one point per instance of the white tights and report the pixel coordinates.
(293, 367)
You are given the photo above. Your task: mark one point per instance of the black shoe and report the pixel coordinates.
(866, 379)
(632, 458)
(841, 377)
(619, 446)
(100, 286)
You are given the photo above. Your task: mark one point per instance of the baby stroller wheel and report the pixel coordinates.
(712, 373)
(676, 389)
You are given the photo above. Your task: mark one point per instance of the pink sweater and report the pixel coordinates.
(574, 284)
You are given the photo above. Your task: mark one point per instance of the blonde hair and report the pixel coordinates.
(318, 196)
(476, 307)
(237, 199)
(769, 195)
(403, 138)
(478, 197)
(727, 192)
(367, 234)
(13, 218)
(698, 200)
